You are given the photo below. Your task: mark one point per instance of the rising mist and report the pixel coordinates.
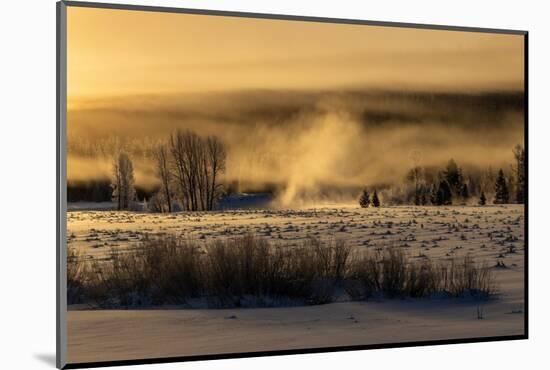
(299, 142)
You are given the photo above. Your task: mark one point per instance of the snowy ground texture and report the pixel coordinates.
(494, 234)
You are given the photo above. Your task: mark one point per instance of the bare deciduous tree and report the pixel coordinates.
(123, 181)
(216, 158)
(196, 165)
(163, 172)
(415, 176)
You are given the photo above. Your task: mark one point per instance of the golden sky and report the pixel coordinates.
(121, 52)
(297, 103)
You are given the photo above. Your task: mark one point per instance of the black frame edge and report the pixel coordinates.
(225, 356)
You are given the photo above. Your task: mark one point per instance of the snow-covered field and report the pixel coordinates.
(491, 233)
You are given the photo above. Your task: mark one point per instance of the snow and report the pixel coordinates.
(489, 233)
(117, 335)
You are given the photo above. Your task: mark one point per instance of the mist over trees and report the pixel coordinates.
(188, 168)
(456, 185)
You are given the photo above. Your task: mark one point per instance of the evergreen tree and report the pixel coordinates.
(502, 196)
(443, 195)
(417, 198)
(464, 192)
(433, 194)
(453, 176)
(375, 200)
(364, 200)
(482, 199)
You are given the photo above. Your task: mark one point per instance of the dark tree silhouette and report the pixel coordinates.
(443, 195)
(453, 176)
(433, 194)
(464, 192)
(197, 164)
(423, 199)
(482, 199)
(364, 199)
(375, 200)
(519, 155)
(502, 196)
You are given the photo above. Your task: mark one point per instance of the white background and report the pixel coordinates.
(27, 207)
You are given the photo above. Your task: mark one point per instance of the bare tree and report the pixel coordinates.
(216, 156)
(180, 168)
(123, 181)
(487, 181)
(415, 177)
(196, 165)
(116, 183)
(163, 172)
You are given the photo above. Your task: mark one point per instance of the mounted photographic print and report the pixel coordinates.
(235, 185)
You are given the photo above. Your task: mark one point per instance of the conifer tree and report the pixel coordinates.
(417, 198)
(375, 200)
(364, 200)
(423, 199)
(502, 196)
(453, 176)
(433, 194)
(464, 192)
(482, 199)
(443, 195)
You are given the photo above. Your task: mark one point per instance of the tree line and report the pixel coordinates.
(454, 185)
(188, 168)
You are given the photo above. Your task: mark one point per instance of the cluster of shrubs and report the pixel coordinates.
(235, 272)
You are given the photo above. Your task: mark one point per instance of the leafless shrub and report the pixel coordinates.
(364, 278)
(465, 277)
(160, 270)
(173, 269)
(232, 272)
(392, 274)
(75, 269)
